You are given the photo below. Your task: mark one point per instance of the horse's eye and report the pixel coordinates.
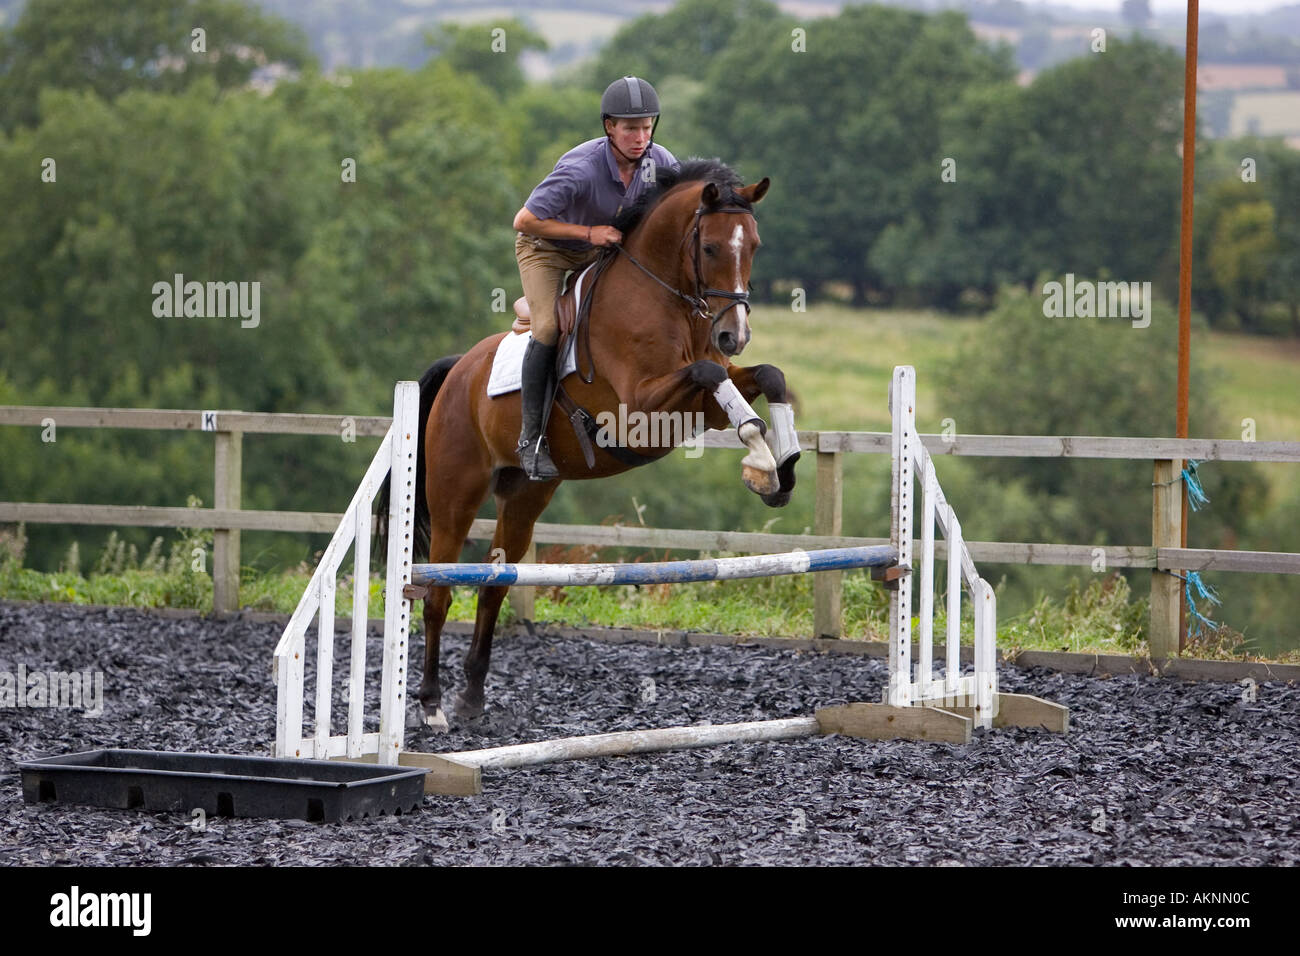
(710, 250)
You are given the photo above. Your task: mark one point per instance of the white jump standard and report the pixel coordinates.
(924, 705)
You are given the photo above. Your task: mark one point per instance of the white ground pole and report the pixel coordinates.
(635, 742)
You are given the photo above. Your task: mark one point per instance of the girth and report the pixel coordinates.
(585, 427)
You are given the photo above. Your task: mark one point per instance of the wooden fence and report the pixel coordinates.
(227, 519)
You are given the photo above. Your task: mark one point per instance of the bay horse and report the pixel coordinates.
(653, 344)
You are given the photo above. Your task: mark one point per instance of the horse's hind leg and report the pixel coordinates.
(453, 507)
(519, 504)
(436, 604)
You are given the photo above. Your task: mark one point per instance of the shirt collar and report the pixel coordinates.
(611, 162)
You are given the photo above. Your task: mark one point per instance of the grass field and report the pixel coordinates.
(1257, 378)
(841, 359)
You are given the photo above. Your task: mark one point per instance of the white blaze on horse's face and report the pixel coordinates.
(742, 311)
(731, 333)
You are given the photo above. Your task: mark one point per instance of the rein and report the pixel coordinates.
(699, 301)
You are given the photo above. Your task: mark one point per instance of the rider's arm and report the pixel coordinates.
(554, 196)
(529, 224)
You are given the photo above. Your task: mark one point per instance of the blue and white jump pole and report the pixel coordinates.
(660, 572)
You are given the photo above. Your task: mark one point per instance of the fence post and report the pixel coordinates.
(828, 519)
(521, 598)
(225, 544)
(1166, 590)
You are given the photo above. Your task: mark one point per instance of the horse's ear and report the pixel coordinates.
(711, 195)
(757, 191)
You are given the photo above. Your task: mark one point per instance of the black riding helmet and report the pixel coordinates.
(630, 98)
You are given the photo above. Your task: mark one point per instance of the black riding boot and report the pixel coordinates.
(536, 393)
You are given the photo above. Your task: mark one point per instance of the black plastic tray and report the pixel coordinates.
(320, 791)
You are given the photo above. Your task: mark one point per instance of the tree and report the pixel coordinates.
(1027, 373)
(1246, 264)
(546, 121)
(1136, 13)
(489, 51)
(877, 158)
(1034, 50)
(1241, 258)
(996, 222)
(681, 41)
(1110, 124)
(146, 44)
(1284, 276)
(363, 280)
(1077, 173)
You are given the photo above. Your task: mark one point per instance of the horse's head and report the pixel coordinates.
(718, 254)
(707, 205)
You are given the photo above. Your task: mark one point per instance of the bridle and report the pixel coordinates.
(699, 301)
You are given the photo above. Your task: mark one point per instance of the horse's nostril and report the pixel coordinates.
(727, 342)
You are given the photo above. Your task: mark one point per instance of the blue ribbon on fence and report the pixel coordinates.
(1196, 496)
(1193, 580)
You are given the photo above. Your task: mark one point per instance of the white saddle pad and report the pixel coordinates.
(508, 366)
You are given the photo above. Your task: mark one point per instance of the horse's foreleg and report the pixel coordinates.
(470, 701)
(519, 504)
(758, 468)
(781, 437)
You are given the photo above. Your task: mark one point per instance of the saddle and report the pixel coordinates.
(567, 307)
(572, 317)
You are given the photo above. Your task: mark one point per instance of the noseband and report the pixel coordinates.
(699, 301)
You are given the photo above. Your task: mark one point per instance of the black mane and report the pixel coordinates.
(694, 169)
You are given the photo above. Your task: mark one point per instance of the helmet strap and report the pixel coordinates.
(625, 156)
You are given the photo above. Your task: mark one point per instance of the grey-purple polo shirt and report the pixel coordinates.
(585, 188)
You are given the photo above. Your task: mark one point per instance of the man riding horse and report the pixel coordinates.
(563, 226)
(663, 323)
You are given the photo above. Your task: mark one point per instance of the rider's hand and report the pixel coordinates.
(605, 235)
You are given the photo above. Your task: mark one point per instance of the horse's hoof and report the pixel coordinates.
(437, 721)
(760, 482)
(467, 709)
(778, 500)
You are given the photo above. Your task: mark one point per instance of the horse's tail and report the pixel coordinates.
(430, 382)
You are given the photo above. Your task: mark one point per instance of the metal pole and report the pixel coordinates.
(1185, 262)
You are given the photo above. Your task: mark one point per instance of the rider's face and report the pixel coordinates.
(631, 136)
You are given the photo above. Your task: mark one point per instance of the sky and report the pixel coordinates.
(1217, 6)
(1175, 6)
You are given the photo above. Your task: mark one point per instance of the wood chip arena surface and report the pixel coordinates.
(1153, 771)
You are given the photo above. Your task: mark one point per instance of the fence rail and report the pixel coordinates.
(227, 519)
